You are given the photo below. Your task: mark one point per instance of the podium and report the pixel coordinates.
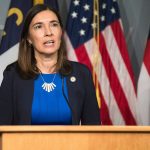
(74, 138)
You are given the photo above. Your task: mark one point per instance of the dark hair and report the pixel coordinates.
(26, 59)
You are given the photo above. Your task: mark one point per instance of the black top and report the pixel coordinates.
(16, 95)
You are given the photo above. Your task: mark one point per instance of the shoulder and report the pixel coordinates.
(10, 70)
(79, 66)
(8, 74)
(80, 70)
(11, 67)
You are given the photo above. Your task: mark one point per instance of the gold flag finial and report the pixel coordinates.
(35, 2)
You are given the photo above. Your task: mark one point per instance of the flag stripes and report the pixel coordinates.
(117, 32)
(108, 101)
(120, 68)
(115, 86)
(82, 56)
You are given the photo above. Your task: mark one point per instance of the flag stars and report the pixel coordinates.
(86, 7)
(104, 6)
(76, 2)
(84, 20)
(82, 32)
(74, 15)
(103, 18)
(113, 10)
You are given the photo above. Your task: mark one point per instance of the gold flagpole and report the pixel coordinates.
(96, 58)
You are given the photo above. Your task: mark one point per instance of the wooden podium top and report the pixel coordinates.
(74, 137)
(25, 128)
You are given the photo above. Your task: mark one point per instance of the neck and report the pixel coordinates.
(46, 64)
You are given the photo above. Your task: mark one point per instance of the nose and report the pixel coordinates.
(48, 31)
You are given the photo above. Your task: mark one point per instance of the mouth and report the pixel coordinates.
(49, 42)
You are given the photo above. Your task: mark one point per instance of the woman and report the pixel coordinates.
(43, 87)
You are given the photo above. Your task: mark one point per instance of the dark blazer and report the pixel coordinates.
(16, 95)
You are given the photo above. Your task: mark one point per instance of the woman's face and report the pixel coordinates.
(45, 33)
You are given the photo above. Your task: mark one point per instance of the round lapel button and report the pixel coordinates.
(73, 79)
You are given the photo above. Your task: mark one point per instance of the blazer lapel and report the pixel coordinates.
(72, 97)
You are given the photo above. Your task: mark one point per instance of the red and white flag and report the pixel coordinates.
(143, 102)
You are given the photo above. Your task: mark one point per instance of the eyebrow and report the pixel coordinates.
(40, 22)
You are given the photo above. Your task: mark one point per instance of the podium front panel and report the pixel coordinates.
(76, 138)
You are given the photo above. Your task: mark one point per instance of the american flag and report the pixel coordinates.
(94, 36)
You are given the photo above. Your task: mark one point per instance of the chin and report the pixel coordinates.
(50, 53)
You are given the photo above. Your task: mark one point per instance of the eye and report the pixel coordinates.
(54, 24)
(37, 26)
